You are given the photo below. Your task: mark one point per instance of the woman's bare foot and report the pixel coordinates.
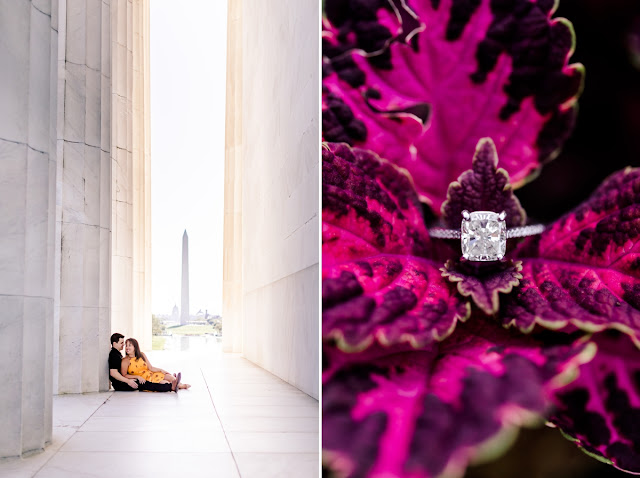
(185, 386)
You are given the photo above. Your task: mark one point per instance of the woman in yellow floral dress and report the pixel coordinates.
(137, 366)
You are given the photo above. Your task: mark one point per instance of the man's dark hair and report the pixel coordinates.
(115, 338)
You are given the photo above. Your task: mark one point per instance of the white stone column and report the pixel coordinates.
(147, 322)
(122, 168)
(232, 248)
(131, 160)
(84, 195)
(28, 42)
(141, 158)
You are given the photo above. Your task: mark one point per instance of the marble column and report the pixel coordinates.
(232, 247)
(84, 195)
(141, 157)
(122, 169)
(28, 79)
(57, 151)
(131, 162)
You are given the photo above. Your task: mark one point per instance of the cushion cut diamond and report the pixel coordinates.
(484, 236)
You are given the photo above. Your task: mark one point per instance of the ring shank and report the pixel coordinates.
(524, 231)
(439, 233)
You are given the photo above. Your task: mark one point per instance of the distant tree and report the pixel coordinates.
(157, 326)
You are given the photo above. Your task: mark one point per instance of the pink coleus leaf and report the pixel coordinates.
(390, 299)
(584, 270)
(600, 410)
(483, 188)
(604, 231)
(366, 25)
(425, 413)
(469, 70)
(483, 281)
(379, 283)
(558, 295)
(368, 207)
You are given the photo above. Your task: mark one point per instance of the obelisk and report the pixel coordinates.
(184, 305)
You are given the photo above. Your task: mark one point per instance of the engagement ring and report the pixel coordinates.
(484, 234)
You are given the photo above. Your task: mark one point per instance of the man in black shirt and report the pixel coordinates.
(124, 384)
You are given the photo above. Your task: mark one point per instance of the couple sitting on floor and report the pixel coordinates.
(135, 372)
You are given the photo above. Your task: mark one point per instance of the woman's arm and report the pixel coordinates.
(150, 367)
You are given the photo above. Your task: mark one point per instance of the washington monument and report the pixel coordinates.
(184, 305)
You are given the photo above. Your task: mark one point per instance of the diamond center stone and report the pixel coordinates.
(484, 236)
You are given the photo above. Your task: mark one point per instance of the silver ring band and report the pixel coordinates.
(524, 231)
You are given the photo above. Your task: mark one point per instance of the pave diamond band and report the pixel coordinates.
(524, 231)
(484, 234)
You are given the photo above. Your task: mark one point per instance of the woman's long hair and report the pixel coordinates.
(136, 348)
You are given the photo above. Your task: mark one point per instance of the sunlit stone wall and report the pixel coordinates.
(280, 168)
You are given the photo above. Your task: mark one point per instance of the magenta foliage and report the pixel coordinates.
(419, 371)
(483, 282)
(379, 282)
(422, 83)
(369, 207)
(395, 412)
(389, 299)
(601, 409)
(391, 307)
(584, 270)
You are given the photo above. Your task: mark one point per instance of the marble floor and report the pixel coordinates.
(236, 421)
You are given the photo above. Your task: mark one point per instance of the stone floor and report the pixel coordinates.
(236, 421)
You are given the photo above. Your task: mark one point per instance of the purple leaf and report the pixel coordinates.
(584, 270)
(483, 188)
(379, 284)
(428, 412)
(369, 207)
(483, 281)
(390, 300)
(368, 25)
(558, 294)
(600, 411)
(603, 231)
(469, 70)
(338, 121)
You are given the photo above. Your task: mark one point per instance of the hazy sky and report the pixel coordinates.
(188, 58)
